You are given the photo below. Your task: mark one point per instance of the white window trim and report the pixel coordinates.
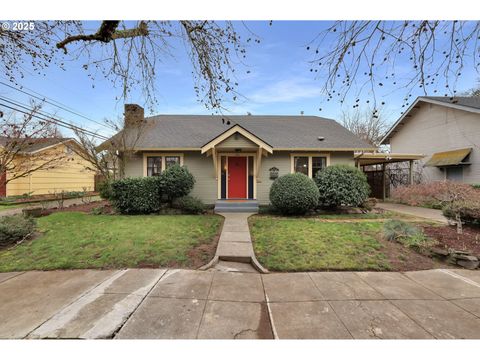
(309, 155)
(162, 155)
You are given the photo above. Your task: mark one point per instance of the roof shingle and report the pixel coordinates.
(281, 132)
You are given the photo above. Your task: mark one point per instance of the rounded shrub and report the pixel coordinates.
(141, 195)
(342, 185)
(176, 182)
(15, 228)
(294, 194)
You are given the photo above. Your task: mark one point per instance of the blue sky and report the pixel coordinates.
(279, 81)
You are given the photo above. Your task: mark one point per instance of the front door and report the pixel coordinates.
(237, 177)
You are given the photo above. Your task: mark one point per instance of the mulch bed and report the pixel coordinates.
(85, 208)
(402, 258)
(448, 238)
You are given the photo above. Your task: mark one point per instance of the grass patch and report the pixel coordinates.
(303, 244)
(72, 240)
(9, 207)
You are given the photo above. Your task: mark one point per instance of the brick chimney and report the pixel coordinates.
(134, 115)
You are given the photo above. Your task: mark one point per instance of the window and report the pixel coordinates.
(154, 165)
(309, 164)
(171, 160)
(318, 163)
(300, 164)
(454, 173)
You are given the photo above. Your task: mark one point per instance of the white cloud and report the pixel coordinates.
(287, 90)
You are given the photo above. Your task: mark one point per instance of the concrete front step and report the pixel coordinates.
(250, 206)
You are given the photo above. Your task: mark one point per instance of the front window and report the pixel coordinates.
(154, 165)
(318, 163)
(300, 164)
(171, 160)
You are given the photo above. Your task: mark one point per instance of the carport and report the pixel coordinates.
(374, 166)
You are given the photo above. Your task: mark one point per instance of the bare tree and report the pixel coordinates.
(19, 138)
(369, 125)
(419, 57)
(128, 53)
(109, 158)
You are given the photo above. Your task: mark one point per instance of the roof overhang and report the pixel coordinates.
(406, 114)
(236, 129)
(449, 158)
(365, 159)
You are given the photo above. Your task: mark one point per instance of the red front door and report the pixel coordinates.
(237, 177)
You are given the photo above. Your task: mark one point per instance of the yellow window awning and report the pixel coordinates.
(449, 158)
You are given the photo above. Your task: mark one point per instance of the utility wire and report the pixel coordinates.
(48, 118)
(61, 106)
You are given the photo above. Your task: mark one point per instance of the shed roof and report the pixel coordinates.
(448, 158)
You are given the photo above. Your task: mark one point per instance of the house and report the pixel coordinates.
(447, 131)
(43, 166)
(234, 157)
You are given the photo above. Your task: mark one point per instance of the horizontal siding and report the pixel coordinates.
(435, 128)
(237, 141)
(206, 185)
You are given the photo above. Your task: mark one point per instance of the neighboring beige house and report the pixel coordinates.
(447, 131)
(235, 157)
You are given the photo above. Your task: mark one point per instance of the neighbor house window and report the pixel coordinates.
(171, 160)
(300, 164)
(454, 173)
(154, 165)
(309, 165)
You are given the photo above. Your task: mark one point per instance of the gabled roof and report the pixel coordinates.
(192, 132)
(465, 103)
(31, 146)
(236, 129)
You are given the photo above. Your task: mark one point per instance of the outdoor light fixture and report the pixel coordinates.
(321, 138)
(273, 173)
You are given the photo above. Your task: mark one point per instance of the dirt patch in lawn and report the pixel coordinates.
(448, 238)
(402, 258)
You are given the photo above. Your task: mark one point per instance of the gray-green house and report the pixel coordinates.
(235, 157)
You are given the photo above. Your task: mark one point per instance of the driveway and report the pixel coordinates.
(155, 303)
(429, 214)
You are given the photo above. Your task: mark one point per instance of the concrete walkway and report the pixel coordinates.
(235, 243)
(48, 205)
(430, 214)
(175, 304)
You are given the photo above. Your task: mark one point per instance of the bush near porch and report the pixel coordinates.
(147, 195)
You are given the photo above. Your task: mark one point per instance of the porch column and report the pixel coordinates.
(259, 162)
(384, 174)
(410, 172)
(214, 157)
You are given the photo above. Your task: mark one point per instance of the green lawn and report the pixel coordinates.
(8, 207)
(301, 244)
(71, 240)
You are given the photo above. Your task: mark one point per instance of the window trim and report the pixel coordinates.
(162, 155)
(309, 156)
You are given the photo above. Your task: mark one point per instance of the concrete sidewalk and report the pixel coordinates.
(430, 214)
(174, 304)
